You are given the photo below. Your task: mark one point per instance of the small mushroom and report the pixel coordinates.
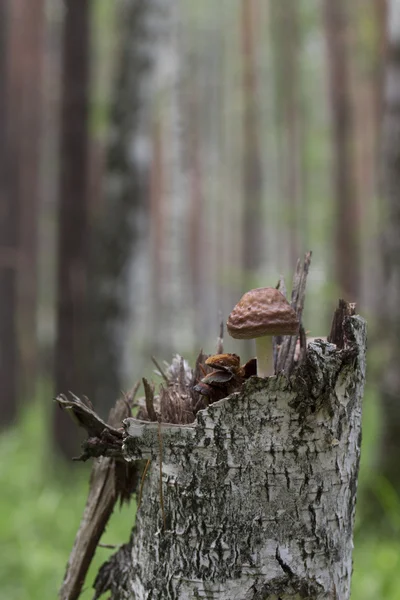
(226, 362)
(262, 313)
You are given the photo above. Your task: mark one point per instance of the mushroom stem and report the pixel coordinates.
(265, 356)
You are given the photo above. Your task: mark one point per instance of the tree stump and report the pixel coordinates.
(258, 494)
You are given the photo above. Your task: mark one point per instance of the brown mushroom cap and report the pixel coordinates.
(263, 311)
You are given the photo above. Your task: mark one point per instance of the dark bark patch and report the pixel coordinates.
(313, 518)
(319, 494)
(285, 567)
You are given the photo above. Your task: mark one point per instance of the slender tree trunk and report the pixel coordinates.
(346, 236)
(258, 494)
(196, 220)
(252, 177)
(175, 319)
(380, 13)
(131, 193)
(251, 202)
(21, 60)
(9, 250)
(156, 228)
(72, 352)
(288, 109)
(26, 33)
(390, 300)
(294, 132)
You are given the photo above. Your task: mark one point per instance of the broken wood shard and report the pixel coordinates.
(110, 480)
(285, 358)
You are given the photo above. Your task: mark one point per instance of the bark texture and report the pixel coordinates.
(258, 494)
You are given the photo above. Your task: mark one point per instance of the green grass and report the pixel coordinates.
(376, 568)
(40, 513)
(376, 550)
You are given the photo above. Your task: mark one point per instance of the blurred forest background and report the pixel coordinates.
(157, 159)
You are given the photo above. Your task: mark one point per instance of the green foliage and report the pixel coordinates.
(40, 514)
(376, 569)
(376, 557)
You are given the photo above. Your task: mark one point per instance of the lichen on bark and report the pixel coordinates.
(259, 492)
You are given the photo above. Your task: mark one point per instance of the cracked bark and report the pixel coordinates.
(259, 492)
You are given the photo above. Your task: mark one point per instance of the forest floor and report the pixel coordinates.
(40, 512)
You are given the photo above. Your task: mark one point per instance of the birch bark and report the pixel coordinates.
(259, 492)
(173, 327)
(119, 247)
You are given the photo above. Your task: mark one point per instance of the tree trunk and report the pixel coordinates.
(26, 33)
(173, 324)
(346, 237)
(252, 176)
(390, 319)
(287, 66)
(258, 494)
(123, 222)
(9, 217)
(71, 352)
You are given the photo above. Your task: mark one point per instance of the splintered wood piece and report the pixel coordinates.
(149, 397)
(345, 309)
(85, 416)
(285, 358)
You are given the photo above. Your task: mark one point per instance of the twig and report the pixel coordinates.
(182, 373)
(160, 370)
(278, 339)
(129, 397)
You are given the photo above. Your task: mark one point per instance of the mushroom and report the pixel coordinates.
(261, 314)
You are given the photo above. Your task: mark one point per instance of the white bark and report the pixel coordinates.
(173, 321)
(259, 493)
